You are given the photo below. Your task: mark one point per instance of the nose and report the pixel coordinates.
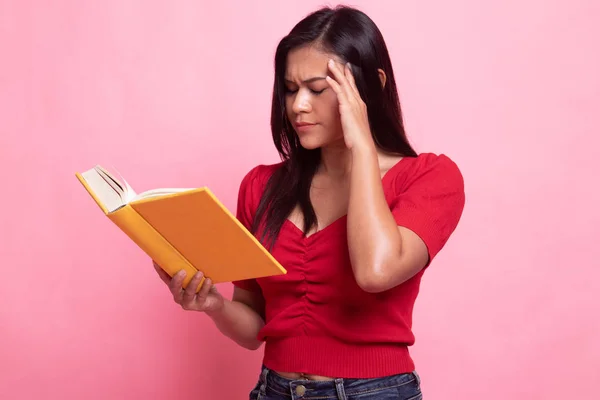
(301, 102)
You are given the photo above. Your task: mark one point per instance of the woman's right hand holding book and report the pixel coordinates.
(207, 299)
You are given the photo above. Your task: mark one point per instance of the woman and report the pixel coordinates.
(353, 214)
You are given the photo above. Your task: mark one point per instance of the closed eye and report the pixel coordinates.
(316, 92)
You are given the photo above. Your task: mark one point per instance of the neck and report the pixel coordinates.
(336, 161)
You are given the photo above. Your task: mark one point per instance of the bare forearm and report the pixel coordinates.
(239, 322)
(373, 237)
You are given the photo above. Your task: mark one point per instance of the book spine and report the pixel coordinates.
(152, 242)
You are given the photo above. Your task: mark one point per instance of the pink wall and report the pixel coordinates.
(508, 89)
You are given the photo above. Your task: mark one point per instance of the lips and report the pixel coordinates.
(302, 127)
(302, 124)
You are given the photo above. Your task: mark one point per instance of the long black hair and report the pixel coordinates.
(353, 36)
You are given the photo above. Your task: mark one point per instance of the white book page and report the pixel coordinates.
(160, 192)
(106, 194)
(126, 194)
(129, 192)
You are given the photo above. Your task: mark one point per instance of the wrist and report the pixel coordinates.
(364, 149)
(365, 153)
(218, 311)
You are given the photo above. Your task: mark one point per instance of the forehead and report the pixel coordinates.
(307, 62)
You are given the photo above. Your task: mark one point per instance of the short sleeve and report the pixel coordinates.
(430, 202)
(246, 207)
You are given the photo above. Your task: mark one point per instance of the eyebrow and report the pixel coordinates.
(316, 78)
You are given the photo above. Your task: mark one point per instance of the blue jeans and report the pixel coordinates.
(271, 386)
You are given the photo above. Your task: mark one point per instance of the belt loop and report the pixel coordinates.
(263, 380)
(418, 378)
(339, 388)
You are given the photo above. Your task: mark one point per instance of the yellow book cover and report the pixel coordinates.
(182, 229)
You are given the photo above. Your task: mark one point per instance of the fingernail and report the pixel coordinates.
(181, 273)
(331, 62)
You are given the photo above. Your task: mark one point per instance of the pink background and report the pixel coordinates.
(509, 89)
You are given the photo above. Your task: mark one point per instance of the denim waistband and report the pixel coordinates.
(340, 388)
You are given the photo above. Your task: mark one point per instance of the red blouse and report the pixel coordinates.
(317, 319)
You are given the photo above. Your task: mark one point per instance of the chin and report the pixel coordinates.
(310, 142)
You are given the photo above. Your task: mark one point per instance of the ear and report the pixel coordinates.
(382, 77)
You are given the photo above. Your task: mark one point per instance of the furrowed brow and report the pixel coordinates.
(316, 78)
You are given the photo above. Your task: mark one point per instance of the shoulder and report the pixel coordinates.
(260, 174)
(427, 196)
(251, 190)
(255, 180)
(427, 169)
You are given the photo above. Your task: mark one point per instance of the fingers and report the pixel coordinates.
(336, 84)
(207, 286)
(341, 84)
(189, 294)
(350, 78)
(336, 88)
(166, 278)
(176, 286)
(187, 298)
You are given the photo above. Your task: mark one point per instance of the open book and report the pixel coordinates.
(182, 229)
(114, 194)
